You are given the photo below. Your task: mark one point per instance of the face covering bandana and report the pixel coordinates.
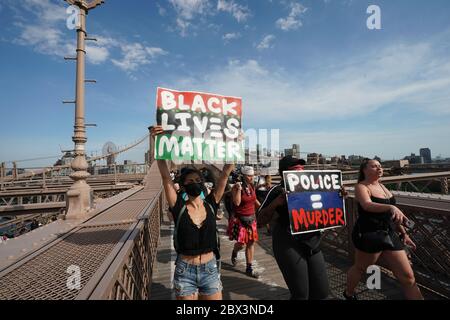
(194, 189)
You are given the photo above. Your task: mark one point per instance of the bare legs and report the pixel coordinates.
(398, 263)
(249, 250)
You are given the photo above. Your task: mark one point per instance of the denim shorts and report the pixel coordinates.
(203, 279)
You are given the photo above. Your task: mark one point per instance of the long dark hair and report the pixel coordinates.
(209, 175)
(186, 171)
(361, 175)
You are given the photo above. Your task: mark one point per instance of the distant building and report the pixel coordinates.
(296, 151)
(413, 159)
(265, 153)
(425, 153)
(65, 159)
(313, 158)
(355, 160)
(147, 157)
(247, 155)
(395, 164)
(258, 153)
(335, 160)
(322, 159)
(288, 152)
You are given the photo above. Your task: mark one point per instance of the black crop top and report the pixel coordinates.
(191, 239)
(384, 215)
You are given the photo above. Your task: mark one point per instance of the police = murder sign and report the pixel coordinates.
(314, 200)
(198, 127)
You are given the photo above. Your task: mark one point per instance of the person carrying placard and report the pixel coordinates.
(196, 275)
(299, 257)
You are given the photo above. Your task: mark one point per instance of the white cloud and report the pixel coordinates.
(187, 10)
(292, 21)
(266, 42)
(48, 12)
(44, 39)
(231, 36)
(408, 76)
(191, 13)
(96, 55)
(161, 10)
(239, 12)
(46, 33)
(136, 55)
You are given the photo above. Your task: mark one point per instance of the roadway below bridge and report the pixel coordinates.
(66, 182)
(31, 198)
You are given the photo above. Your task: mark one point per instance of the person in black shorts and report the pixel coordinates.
(378, 232)
(299, 257)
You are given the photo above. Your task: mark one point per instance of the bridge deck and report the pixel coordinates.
(34, 266)
(271, 285)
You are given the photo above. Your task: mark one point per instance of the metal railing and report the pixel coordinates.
(129, 276)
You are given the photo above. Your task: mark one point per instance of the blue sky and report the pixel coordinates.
(311, 68)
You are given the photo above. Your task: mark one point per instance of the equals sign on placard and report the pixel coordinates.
(316, 200)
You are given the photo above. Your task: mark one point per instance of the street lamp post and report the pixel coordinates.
(79, 195)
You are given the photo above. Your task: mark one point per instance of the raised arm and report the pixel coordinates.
(236, 194)
(222, 182)
(169, 188)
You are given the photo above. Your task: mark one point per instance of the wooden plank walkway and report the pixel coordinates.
(271, 285)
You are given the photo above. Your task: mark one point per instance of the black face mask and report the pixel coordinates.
(194, 189)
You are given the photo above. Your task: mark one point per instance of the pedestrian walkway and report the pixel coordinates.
(270, 286)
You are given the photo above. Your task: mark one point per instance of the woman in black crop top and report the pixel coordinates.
(194, 212)
(378, 232)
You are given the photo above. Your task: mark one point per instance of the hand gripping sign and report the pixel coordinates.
(314, 200)
(198, 127)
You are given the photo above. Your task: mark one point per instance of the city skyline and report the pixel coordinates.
(342, 88)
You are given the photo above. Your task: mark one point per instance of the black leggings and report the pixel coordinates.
(305, 276)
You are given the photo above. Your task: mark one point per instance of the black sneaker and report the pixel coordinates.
(234, 258)
(353, 297)
(252, 273)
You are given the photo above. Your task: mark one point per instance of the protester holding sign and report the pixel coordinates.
(243, 226)
(298, 256)
(195, 237)
(378, 232)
